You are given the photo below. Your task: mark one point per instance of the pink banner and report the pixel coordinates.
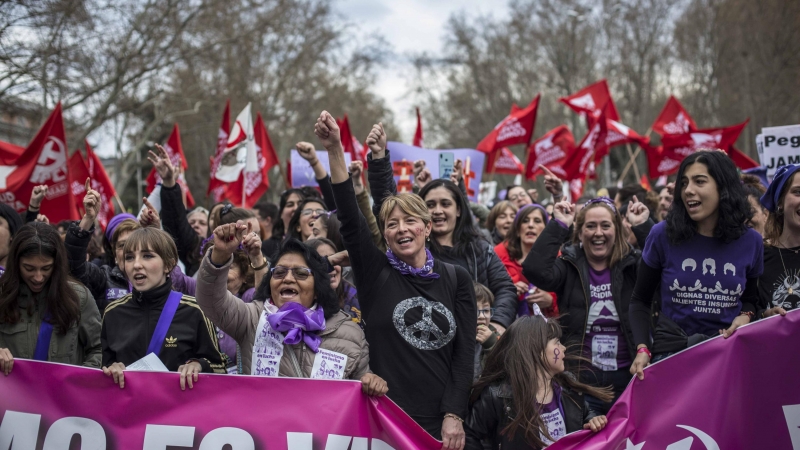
(739, 393)
(43, 405)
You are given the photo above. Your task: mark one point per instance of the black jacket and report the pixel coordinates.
(568, 277)
(493, 411)
(129, 324)
(105, 283)
(174, 221)
(483, 264)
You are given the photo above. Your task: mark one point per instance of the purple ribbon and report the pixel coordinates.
(425, 271)
(299, 323)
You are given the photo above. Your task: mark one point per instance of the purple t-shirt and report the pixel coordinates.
(702, 279)
(605, 342)
(553, 417)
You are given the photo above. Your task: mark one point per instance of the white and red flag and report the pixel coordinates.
(678, 146)
(551, 151)
(516, 128)
(44, 161)
(255, 180)
(216, 187)
(240, 150)
(673, 119)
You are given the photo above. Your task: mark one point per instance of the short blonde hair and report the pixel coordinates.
(155, 240)
(411, 204)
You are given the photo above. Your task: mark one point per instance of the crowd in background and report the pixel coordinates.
(506, 325)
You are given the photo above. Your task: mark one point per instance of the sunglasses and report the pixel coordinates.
(316, 212)
(299, 273)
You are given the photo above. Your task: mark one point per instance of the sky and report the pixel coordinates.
(409, 26)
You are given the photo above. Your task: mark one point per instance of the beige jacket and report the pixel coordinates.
(240, 320)
(80, 346)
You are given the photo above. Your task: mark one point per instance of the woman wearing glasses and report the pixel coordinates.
(301, 225)
(420, 311)
(294, 326)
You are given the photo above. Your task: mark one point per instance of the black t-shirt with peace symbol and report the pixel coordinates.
(779, 285)
(421, 332)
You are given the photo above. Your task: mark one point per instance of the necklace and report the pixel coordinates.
(790, 291)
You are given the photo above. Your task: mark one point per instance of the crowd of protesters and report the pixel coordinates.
(493, 326)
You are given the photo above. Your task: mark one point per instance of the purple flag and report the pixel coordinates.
(736, 393)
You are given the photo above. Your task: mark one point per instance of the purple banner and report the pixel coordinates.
(736, 393)
(404, 155)
(44, 405)
(303, 174)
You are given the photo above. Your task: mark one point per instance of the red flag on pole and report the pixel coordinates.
(102, 184)
(581, 163)
(256, 183)
(617, 134)
(44, 161)
(505, 162)
(78, 173)
(516, 128)
(673, 119)
(741, 160)
(418, 134)
(551, 151)
(591, 101)
(174, 149)
(216, 187)
(9, 153)
(347, 137)
(679, 146)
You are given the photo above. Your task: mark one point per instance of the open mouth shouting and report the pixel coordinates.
(289, 294)
(139, 279)
(693, 206)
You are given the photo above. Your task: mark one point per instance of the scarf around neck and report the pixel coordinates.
(299, 324)
(426, 271)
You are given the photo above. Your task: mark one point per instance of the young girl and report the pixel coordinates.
(156, 319)
(705, 257)
(45, 314)
(524, 399)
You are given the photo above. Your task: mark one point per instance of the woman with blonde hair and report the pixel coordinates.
(420, 311)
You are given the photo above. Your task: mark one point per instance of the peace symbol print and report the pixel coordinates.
(430, 336)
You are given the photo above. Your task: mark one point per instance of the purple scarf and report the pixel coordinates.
(425, 271)
(299, 323)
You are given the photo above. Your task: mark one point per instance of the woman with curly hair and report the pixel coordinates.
(705, 257)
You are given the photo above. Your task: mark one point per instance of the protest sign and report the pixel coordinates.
(303, 174)
(44, 405)
(404, 155)
(781, 146)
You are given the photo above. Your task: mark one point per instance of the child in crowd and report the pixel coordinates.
(487, 333)
(524, 398)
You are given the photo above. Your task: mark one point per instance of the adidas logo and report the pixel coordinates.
(172, 342)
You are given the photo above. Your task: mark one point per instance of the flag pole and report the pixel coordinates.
(244, 189)
(494, 164)
(632, 161)
(119, 202)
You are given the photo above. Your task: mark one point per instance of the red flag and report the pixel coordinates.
(551, 151)
(9, 153)
(618, 134)
(347, 137)
(255, 183)
(581, 163)
(44, 161)
(741, 160)
(659, 163)
(505, 162)
(591, 101)
(216, 188)
(102, 184)
(576, 189)
(516, 128)
(418, 134)
(645, 184)
(673, 119)
(78, 173)
(678, 146)
(174, 149)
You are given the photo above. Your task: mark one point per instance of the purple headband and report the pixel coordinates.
(535, 205)
(604, 200)
(115, 221)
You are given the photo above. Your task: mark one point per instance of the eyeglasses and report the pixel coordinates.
(316, 212)
(300, 273)
(514, 198)
(488, 312)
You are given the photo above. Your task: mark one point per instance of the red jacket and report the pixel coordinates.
(515, 271)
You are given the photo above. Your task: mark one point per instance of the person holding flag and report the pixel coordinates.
(44, 314)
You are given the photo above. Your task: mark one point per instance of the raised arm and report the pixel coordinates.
(307, 151)
(542, 267)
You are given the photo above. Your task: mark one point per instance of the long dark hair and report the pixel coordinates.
(519, 360)
(291, 229)
(465, 232)
(279, 229)
(513, 242)
(63, 304)
(341, 292)
(326, 298)
(734, 209)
